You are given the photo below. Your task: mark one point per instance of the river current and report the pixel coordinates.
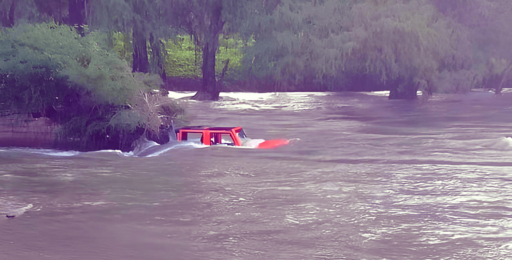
(368, 178)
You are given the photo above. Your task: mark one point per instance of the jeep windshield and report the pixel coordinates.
(242, 134)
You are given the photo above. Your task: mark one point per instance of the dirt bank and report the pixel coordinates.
(26, 131)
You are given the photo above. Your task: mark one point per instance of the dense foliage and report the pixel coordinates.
(184, 58)
(487, 23)
(49, 70)
(205, 21)
(96, 78)
(92, 65)
(399, 45)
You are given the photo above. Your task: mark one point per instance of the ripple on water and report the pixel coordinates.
(381, 180)
(445, 204)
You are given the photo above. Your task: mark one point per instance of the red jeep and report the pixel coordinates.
(232, 136)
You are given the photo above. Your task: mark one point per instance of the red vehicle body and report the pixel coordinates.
(234, 136)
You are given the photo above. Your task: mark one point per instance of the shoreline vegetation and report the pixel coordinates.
(50, 72)
(97, 72)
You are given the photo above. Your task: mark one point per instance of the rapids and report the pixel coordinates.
(368, 178)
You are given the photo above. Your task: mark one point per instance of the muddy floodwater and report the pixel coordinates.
(369, 178)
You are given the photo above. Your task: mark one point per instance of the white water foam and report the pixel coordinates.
(190, 145)
(180, 94)
(253, 143)
(156, 150)
(503, 143)
(248, 96)
(57, 153)
(108, 151)
(257, 101)
(507, 140)
(385, 93)
(144, 146)
(49, 152)
(271, 101)
(15, 210)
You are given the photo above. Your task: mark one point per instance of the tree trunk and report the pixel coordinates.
(210, 89)
(504, 77)
(76, 9)
(157, 57)
(140, 51)
(224, 70)
(12, 9)
(406, 90)
(220, 82)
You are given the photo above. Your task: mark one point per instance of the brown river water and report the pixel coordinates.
(369, 178)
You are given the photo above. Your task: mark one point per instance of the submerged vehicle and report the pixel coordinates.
(227, 136)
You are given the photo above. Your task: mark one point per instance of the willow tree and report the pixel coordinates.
(405, 42)
(302, 42)
(205, 21)
(488, 23)
(314, 36)
(274, 56)
(397, 44)
(497, 39)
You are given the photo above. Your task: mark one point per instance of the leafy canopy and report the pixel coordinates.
(50, 69)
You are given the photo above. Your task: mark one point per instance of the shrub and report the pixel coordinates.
(75, 81)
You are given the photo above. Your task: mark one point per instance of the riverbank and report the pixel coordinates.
(26, 131)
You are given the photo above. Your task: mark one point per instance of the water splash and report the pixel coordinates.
(146, 149)
(507, 140)
(144, 145)
(16, 212)
(41, 151)
(157, 150)
(503, 143)
(289, 101)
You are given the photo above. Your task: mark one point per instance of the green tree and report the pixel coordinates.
(399, 45)
(402, 44)
(145, 20)
(50, 70)
(298, 42)
(205, 21)
(488, 23)
(405, 42)
(184, 57)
